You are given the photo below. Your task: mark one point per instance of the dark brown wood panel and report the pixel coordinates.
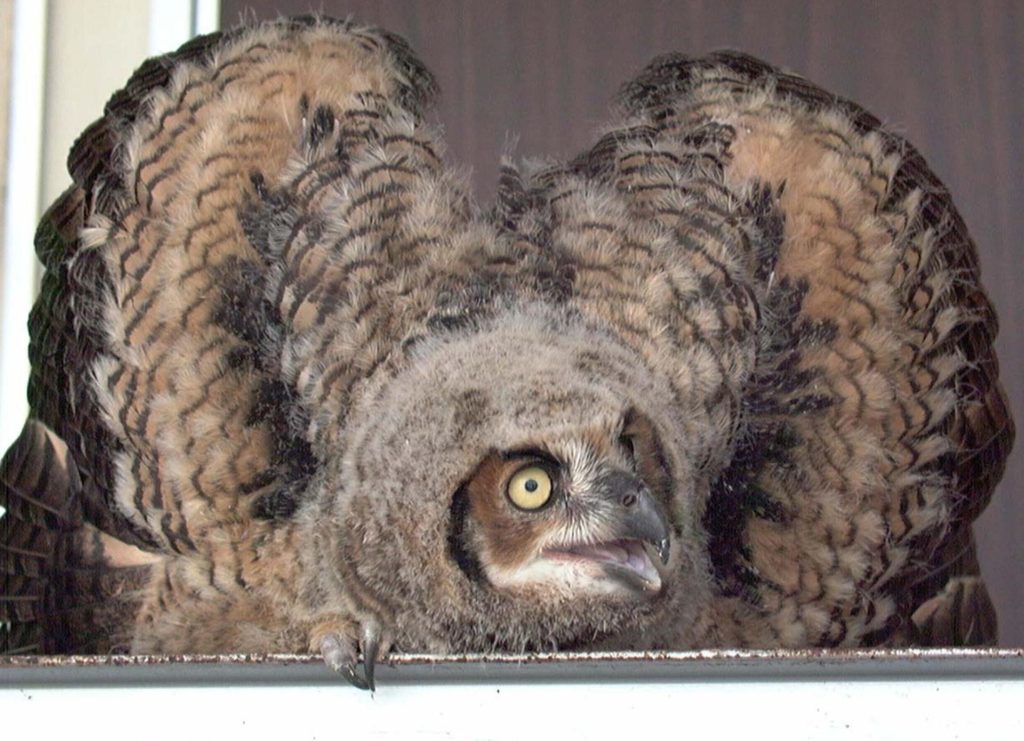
(946, 73)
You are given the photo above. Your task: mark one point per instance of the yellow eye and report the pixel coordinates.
(530, 488)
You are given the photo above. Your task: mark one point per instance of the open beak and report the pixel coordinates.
(641, 517)
(636, 524)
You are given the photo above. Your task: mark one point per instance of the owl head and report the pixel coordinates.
(513, 487)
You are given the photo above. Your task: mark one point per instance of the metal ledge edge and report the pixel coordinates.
(727, 665)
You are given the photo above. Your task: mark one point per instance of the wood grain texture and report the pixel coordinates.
(945, 73)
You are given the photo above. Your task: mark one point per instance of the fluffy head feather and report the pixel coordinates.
(414, 516)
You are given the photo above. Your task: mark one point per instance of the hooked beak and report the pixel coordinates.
(633, 523)
(641, 516)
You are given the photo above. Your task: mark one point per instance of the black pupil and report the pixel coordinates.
(531, 485)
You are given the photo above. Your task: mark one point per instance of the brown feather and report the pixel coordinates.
(281, 346)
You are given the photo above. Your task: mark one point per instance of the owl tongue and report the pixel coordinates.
(626, 557)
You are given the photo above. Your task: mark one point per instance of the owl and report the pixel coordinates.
(725, 379)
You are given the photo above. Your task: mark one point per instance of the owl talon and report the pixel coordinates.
(349, 673)
(340, 656)
(371, 652)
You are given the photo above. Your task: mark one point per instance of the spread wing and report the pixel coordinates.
(66, 584)
(837, 521)
(157, 340)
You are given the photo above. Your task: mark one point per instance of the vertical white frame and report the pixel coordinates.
(24, 149)
(171, 23)
(205, 16)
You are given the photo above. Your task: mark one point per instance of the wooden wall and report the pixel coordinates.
(945, 73)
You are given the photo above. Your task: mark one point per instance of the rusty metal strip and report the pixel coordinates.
(685, 666)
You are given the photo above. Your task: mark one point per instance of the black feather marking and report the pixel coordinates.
(769, 220)
(321, 127)
(277, 505)
(458, 547)
(777, 391)
(292, 460)
(267, 214)
(243, 309)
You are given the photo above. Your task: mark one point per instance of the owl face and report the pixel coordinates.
(574, 516)
(489, 502)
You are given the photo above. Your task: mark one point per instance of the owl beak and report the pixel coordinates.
(640, 516)
(632, 523)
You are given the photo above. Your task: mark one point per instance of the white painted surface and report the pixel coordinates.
(170, 24)
(67, 63)
(92, 49)
(206, 17)
(21, 210)
(901, 711)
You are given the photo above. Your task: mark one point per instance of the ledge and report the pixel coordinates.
(571, 668)
(898, 694)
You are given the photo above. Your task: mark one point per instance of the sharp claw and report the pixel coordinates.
(340, 656)
(349, 673)
(371, 651)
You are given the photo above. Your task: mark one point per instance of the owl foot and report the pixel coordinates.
(341, 654)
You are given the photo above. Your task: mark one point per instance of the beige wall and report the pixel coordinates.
(83, 67)
(6, 27)
(91, 48)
